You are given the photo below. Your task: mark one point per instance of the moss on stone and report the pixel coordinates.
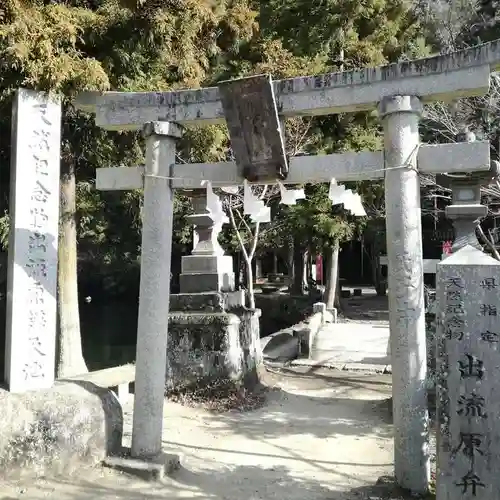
(198, 302)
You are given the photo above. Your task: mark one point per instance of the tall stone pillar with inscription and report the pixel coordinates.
(468, 366)
(32, 268)
(468, 371)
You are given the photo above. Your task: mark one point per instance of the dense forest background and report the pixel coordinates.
(131, 45)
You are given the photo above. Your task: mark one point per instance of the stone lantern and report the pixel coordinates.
(466, 208)
(207, 269)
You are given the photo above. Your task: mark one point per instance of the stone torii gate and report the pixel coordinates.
(397, 91)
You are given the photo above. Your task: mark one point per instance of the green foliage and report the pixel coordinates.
(370, 32)
(73, 45)
(40, 48)
(313, 222)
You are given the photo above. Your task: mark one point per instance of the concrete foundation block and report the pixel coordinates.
(207, 264)
(151, 469)
(58, 430)
(302, 332)
(331, 316)
(209, 302)
(319, 307)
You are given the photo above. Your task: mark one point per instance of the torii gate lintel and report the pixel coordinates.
(463, 73)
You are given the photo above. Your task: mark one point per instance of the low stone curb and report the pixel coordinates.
(297, 340)
(353, 367)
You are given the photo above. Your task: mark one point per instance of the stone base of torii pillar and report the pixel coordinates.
(212, 335)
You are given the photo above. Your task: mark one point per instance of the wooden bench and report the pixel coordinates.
(118, 379)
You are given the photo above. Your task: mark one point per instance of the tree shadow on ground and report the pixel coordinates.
(280, 428)
(316, 376)
(233, 483)
(336, 406)
(287, 414)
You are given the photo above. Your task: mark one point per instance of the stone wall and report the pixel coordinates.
(296, 341)
(280, 311)
(212, 337)
(58, 430)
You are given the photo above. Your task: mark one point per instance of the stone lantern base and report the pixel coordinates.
(212, 337)
(210, 273)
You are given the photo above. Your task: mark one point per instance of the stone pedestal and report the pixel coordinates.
(207, 272)
(212, 336)
(464, 219)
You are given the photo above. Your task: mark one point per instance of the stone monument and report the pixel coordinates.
(47, 428)
(33, 238)
(467, 370)
(207, 268)
(468, 373)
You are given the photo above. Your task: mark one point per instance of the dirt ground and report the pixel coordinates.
(321, 435)
(369, 308)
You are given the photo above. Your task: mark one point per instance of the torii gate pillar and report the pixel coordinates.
(151, 359)
(400, 117)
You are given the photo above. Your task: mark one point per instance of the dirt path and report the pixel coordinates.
(369, 308)
(321, 435)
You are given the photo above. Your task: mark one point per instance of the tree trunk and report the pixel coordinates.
(243, 272)
(298, 268)
(305, 270)
(250, 289)
(237, 273)
(289, 261)
(69, 346)
(332, 277)
(380, 282)
(275, 262)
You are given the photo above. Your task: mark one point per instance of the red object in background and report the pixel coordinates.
(319, 269)
(447, 247)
